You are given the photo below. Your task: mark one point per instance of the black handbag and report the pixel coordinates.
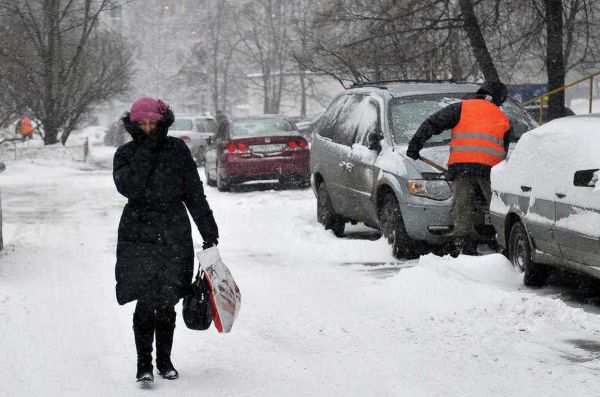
(197, 312)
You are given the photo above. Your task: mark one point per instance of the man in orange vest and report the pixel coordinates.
(479, 140)
(25, 127)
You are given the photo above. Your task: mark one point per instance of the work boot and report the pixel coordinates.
(143, 331)
(466, 247)
(165, 328)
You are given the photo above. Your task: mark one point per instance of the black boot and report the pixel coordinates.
(143, 331)
(165, 327)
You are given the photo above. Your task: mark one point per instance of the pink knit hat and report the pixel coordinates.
(147, 108)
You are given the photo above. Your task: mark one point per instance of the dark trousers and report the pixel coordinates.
(466, 189)
(153, 315)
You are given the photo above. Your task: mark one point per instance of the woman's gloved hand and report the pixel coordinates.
(210, 242)
(159, 134)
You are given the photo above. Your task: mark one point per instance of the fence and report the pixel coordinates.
(543, 99)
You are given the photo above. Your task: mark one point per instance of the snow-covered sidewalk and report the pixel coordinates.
(320, 315)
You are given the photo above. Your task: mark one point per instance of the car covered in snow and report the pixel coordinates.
(546, 200)
(254, 148)
(360, 171)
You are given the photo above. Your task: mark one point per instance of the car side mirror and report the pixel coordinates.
(585, 178)
(374, 139)
(2, 166)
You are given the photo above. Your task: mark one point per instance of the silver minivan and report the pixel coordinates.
(360, 171)
(546, 200)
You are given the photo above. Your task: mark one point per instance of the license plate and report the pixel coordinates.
(275, 147)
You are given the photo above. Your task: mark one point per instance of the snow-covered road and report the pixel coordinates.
(320, 315)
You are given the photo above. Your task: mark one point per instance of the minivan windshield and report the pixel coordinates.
(258, 127)
(407, 113)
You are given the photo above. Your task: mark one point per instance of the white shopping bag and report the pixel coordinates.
(225, 296)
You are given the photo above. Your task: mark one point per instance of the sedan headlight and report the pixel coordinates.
(433, 189)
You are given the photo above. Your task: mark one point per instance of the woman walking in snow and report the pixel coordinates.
(155, 253)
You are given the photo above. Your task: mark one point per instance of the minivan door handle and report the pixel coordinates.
(526, 188)
(560, 195)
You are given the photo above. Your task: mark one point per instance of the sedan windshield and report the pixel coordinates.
(182, 125)
(258, 127)
(407, 113)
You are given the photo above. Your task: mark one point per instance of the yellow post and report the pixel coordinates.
(591, 93)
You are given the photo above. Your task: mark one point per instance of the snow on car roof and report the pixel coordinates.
(574, 126)
(399, 89)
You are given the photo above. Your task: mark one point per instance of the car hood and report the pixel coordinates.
(437, 154)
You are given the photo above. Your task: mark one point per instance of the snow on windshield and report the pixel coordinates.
(407, 114)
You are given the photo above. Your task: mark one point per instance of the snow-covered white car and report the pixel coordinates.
(546, 200)
(194, 131)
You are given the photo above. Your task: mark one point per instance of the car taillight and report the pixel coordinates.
(242, 147)
(185, 138)
(297, 144)
(237, 148)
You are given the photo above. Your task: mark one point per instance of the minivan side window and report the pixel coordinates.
(347, 122)
(328, 120)
(367, 114)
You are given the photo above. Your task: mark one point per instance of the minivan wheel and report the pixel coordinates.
(393, 229)
(326, 214)
(519, 254)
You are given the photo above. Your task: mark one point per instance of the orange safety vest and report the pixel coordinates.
(479, 135)
(26, 127)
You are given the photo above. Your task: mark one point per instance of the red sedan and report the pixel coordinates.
(258, 148)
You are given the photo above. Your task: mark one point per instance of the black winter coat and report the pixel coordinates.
(155, 253)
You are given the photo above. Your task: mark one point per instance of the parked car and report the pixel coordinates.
(360, 171)
(194, 131)
(116, 135)
(545, 201)
(257, 148)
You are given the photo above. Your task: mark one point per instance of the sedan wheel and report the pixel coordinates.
(201, 155)
(326, 214)
(222, 184)
(393, 229)
(519, 254)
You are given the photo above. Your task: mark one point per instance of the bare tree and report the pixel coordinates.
(478, 44)
(264, 36)
(219, 51)
(57, 65)
(555, 64)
